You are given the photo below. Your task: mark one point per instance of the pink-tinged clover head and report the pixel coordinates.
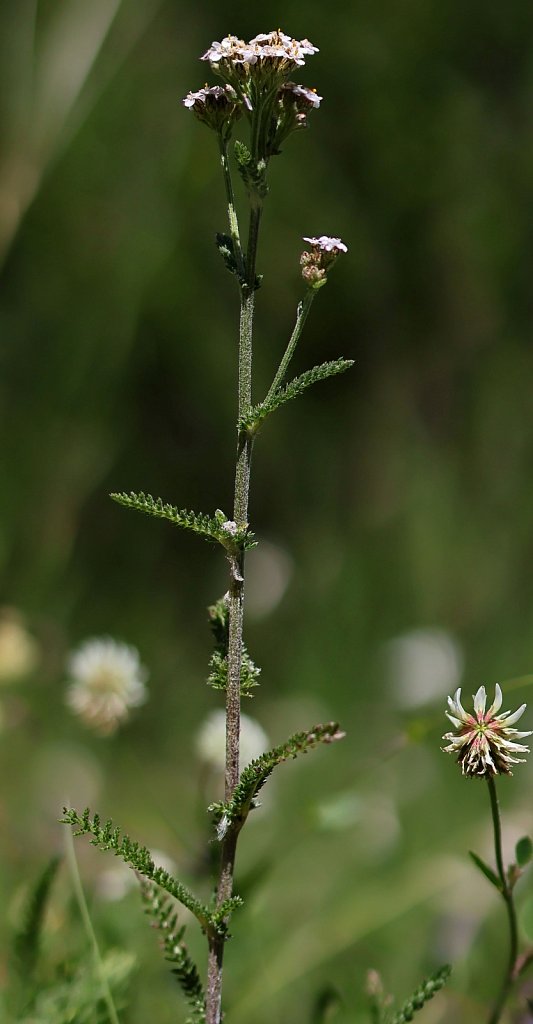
(485, 741)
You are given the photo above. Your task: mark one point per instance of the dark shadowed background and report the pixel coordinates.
(394, 504)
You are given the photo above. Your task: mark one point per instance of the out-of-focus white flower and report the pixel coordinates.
(211, 740)
(116, 882)
(485, 742)
(421, 665)
(268, 573)
(19, 653)
(107, 679)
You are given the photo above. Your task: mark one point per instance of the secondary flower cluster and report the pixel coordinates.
(485, 743)
(255, 74)
(319, 259)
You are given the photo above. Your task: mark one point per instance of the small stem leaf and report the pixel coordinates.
(485, 870)
(226, 248)
(218, 528)
(253, 420)
(135, 856)
(218, 665)
(233, 814)
(523, 851)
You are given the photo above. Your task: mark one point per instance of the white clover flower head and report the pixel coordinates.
(106, 680)
(211, 740)
(19, 652)
(485, 742)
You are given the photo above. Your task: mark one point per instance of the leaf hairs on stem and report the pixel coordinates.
(218, 528)
(233, 814)
(253, 420)
(218, 675)
(422, 995)
(135, 856)
(165, 919)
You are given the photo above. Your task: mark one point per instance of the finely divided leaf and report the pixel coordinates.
(233, 814)
(217, 528)
(256, 416)
(165, 919)
(135, 856)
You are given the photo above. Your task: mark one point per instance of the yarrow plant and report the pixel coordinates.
(485, 745)
(257, 91)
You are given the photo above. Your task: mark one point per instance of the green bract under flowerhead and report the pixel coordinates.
(485, 741)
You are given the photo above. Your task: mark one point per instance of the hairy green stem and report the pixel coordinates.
(507, 894)
(301, 317)
(232, 210)
(236, 616)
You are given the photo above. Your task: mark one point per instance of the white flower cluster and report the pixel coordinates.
(272, 48)
(107, 679)
(326, 244)
(211, 740)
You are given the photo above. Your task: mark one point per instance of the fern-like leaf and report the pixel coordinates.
(215, 528)
(108, 837)
(422, 995)
(255, 417)
(165, 920)
(218, 675)
(233, 814)
(26, 940)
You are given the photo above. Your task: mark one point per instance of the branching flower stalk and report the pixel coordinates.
(256, 72)
(486, 745)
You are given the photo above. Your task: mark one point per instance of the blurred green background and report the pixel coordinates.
(394, 503)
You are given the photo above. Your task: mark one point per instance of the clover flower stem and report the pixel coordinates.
(301, 317)
(507, 894)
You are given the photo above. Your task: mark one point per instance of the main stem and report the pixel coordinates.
(236, 612)
(507, 894)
